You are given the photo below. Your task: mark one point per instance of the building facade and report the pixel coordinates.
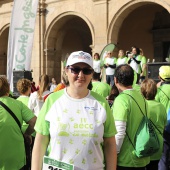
(63, 26)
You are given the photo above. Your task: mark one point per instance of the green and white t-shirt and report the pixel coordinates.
(136, 67)
(76, 128)
(121, 60)
(97, 64)
(110, 61)
(125, 109)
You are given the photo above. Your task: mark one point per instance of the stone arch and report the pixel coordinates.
(69, 13)
(55, 41)
(4, 33)
(122, 13)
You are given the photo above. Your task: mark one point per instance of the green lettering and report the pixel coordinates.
(75, 125)
(81, 126)
(20, 67)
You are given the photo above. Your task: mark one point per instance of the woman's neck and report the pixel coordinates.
(77, 94)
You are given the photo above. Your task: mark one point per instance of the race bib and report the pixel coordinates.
(52, 164)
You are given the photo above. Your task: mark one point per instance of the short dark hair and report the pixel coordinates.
(96, 76)
(124, 74)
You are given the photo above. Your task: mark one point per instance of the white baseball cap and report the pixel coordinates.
(80, 57)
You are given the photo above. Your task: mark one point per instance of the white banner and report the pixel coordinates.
(21, 35)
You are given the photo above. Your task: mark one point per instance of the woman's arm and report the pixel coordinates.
(110, 153)
(39, 149)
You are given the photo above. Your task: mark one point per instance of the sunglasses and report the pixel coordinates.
(76, 70)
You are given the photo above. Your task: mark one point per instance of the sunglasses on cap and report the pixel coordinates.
(76, 70)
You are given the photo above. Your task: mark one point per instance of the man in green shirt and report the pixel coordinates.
(127, 116)
(101, 88)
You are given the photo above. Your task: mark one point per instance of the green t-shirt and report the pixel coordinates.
(125, 109)
(76, 128)
(143, 61)
(101, 88)
(24, 99)
(163, 96)
(137, 87)
(12, 148)
(159, 118)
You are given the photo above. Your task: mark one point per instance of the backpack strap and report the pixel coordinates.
(138, 104)
(142, 112)
(164, 93)
(11, 113)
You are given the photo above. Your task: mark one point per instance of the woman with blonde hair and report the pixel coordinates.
(122, 59)
(36, 99)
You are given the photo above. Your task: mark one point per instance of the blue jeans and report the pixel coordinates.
(110, 79)
(165, 159)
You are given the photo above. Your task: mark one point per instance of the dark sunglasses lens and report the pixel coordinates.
(75, 70)
(87, 71)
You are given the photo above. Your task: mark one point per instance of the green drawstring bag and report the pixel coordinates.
(146, 141)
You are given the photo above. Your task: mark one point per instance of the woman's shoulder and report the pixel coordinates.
(34, 94)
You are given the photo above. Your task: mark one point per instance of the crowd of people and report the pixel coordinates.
(85, 121)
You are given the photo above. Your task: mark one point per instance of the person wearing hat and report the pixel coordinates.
(163, 96)
(76, 124)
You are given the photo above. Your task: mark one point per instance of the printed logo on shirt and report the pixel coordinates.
(80, 128)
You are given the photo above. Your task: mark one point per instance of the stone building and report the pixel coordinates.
(63, 26)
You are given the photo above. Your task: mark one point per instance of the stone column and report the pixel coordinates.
(42, 25)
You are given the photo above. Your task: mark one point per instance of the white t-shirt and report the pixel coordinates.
(110, 61)
(121, 61)
(53, 86)
(96, 66)
(76, 128)
(136, 67)
(34, 103)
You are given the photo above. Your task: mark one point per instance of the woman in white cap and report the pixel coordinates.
(75, 124)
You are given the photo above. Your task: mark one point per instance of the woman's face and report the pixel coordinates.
(96, 57)
(77, 78)
(121, 53)
(134, 51)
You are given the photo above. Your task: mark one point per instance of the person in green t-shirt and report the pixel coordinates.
(75, 125)
(101, 88)
(24, 89)
(163, 96)
(127, 116)
(157, 115)
(143, 66)
(12, 147)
